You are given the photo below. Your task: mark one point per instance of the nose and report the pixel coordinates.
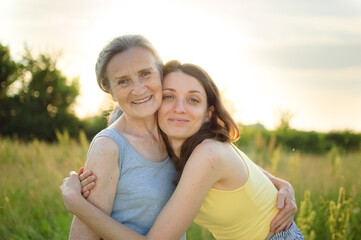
(180, 107)
(139, 87)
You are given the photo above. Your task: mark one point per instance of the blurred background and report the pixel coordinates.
(290, 72)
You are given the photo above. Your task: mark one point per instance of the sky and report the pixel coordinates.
(267, 56)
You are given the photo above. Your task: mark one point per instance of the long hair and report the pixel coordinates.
(220, 127)
(119, 45)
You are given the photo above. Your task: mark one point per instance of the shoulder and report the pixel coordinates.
(210, 153)
(104, 149)
(212, 148)
(105, 143)
(205, 165)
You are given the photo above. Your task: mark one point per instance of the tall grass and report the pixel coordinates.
(327, 188)
(30, 176)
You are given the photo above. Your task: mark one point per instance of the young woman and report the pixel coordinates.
(219, 187)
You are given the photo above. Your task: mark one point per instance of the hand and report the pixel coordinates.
(70, 190)
(286, 203)
(87, 180)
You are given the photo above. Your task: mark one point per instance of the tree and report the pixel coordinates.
(285, 118)
(8, 70)
(42, 102)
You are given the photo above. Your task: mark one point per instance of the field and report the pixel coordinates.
(327, 188)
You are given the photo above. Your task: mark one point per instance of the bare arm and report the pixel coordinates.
(286, 203)
(103, 162)
(197, 178)
(286, 199)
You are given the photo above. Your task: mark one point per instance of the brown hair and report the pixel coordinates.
(220, 127)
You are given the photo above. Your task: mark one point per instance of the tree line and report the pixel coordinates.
(36, 100)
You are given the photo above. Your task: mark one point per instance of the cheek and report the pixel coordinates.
(157, 83)
(201, 116)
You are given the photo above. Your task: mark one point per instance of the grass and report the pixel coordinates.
(31, 173)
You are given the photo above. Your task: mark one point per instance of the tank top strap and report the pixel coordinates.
(116, 136)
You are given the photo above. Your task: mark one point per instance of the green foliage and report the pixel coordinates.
(275, 159)
(346, 140)
(93, 125)
(335, 161)
(8, 71)
(196, 232)
(30, 176)
(306, 217)
(294, 166)
(41, 101)
(31, 206)
(339, 218)
(285, 118)
(256, 137)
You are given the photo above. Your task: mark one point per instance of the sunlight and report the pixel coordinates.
(211, 44)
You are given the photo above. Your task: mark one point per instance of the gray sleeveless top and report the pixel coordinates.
(143, 188)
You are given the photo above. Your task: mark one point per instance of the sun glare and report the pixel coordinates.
(221, 51)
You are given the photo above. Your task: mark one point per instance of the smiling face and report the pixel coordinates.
(184, 108)
(135, 82)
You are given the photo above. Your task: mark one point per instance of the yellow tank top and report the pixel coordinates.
(244, 213)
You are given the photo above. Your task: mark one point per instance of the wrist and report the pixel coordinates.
(73, 201)
(280, 184)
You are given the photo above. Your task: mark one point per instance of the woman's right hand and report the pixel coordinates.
(87, 180)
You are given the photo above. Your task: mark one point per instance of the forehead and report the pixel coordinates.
(180, 81)
(130, 61)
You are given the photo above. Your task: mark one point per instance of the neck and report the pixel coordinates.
(138, 127)
(176, 145)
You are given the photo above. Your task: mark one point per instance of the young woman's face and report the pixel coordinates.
(135, 82)
(184, 107)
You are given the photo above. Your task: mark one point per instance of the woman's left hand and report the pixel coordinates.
(70, 191)
(286, 203)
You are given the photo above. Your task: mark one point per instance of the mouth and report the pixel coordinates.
(143, 100)
(178, 120)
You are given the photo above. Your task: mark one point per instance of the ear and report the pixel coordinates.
(209, 113)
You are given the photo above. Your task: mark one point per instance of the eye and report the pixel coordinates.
(145, 73)
(123, 82)
(194, 100)
(168, 97)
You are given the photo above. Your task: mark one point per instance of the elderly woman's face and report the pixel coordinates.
(135, 82)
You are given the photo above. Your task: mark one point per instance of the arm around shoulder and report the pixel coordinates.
(199, 175)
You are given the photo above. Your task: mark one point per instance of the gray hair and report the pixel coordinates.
(118, 45)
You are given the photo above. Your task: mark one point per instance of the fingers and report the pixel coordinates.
(87, 181)
(281, 199)
(284, 218)
(81, 170)
(86, 194)
(281, 225)
(85, 174)
(284, 226)
(88, 187)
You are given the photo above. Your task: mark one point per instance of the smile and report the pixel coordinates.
(178, 120)
(142, 100)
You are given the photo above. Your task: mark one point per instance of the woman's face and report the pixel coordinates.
(184, 108)
(135, 82)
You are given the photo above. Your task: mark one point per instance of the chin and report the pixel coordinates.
(145, 114)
